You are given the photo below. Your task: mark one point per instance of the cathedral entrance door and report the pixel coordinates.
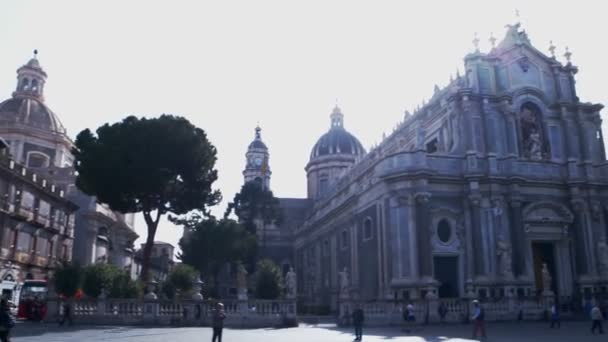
(446, 272)
(544, 253)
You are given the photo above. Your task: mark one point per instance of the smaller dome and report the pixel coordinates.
(33, 63)
(257, 142)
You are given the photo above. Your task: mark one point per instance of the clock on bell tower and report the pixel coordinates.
(257, 167)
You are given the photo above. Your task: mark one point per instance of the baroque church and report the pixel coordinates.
(496, 187)
(39, 142)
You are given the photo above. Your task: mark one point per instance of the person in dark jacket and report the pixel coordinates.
(67, 313)
(358, 318)
(218, 322)
(6, 321)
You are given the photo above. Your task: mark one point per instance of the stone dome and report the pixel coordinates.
(257, 143)
(337, 141)
(31, 112)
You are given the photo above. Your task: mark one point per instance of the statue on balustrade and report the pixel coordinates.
(503, 251)
(344, 283)
(241, 282)
(290, 283)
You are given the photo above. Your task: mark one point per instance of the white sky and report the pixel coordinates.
(225, 65)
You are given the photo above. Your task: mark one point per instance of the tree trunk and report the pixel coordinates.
(152, 225)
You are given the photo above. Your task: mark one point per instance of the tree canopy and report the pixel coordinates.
(154, 166)
(67, 278)
(253, 203)
(209, 244)
(269, 281)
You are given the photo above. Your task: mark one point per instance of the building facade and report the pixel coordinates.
(37, 225)
(38, 140)
(495, 187)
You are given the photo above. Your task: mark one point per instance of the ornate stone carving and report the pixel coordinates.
(531, 131)
(422, 197)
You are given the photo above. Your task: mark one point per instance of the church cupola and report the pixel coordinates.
(31, 79)
(257, 167)
(337, 118)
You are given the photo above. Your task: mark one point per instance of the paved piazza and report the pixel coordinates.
(537, 332)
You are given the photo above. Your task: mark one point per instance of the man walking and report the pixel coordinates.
(478, 320)
(217, 322)
(67, 313)
(358, 318)
(555, 321)
(596, 318)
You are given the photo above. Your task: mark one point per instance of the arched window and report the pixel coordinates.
(25, 84)
(38, 159)
(368, 231)
(444, 231)
(34, 85)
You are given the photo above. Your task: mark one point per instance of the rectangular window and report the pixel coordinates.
(323, 184)
(368, 231)
(431, 146)
(8, 237)
(44, 208)
(42, 247)
(24, 242)
(27, 200)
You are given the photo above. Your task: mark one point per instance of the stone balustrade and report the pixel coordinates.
(239, 314)
(384, 313)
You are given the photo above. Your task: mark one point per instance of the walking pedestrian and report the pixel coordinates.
(409, 317)
(555, 320)
(443, 311)
(596, 318)
(67, 313)
(218, 322)
(478, 320)
(6, 321)
(358, 319)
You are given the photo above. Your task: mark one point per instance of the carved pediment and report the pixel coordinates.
(547, 212)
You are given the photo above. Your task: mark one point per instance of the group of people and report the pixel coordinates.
(478, 318)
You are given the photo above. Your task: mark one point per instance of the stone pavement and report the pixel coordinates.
(497, 332)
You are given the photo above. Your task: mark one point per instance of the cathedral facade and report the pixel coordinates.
(496, 187)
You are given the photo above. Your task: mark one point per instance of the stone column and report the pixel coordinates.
(478, 255)
(584, 257)
(517, 238)
(425, 256)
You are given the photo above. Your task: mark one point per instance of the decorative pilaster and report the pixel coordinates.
(585, 260)
(478, 257)
(425, 257)
(517, 238)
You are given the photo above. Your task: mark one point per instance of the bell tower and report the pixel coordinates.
(31, 79)
(257, 167)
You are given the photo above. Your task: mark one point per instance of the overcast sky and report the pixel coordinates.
(226, 65)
